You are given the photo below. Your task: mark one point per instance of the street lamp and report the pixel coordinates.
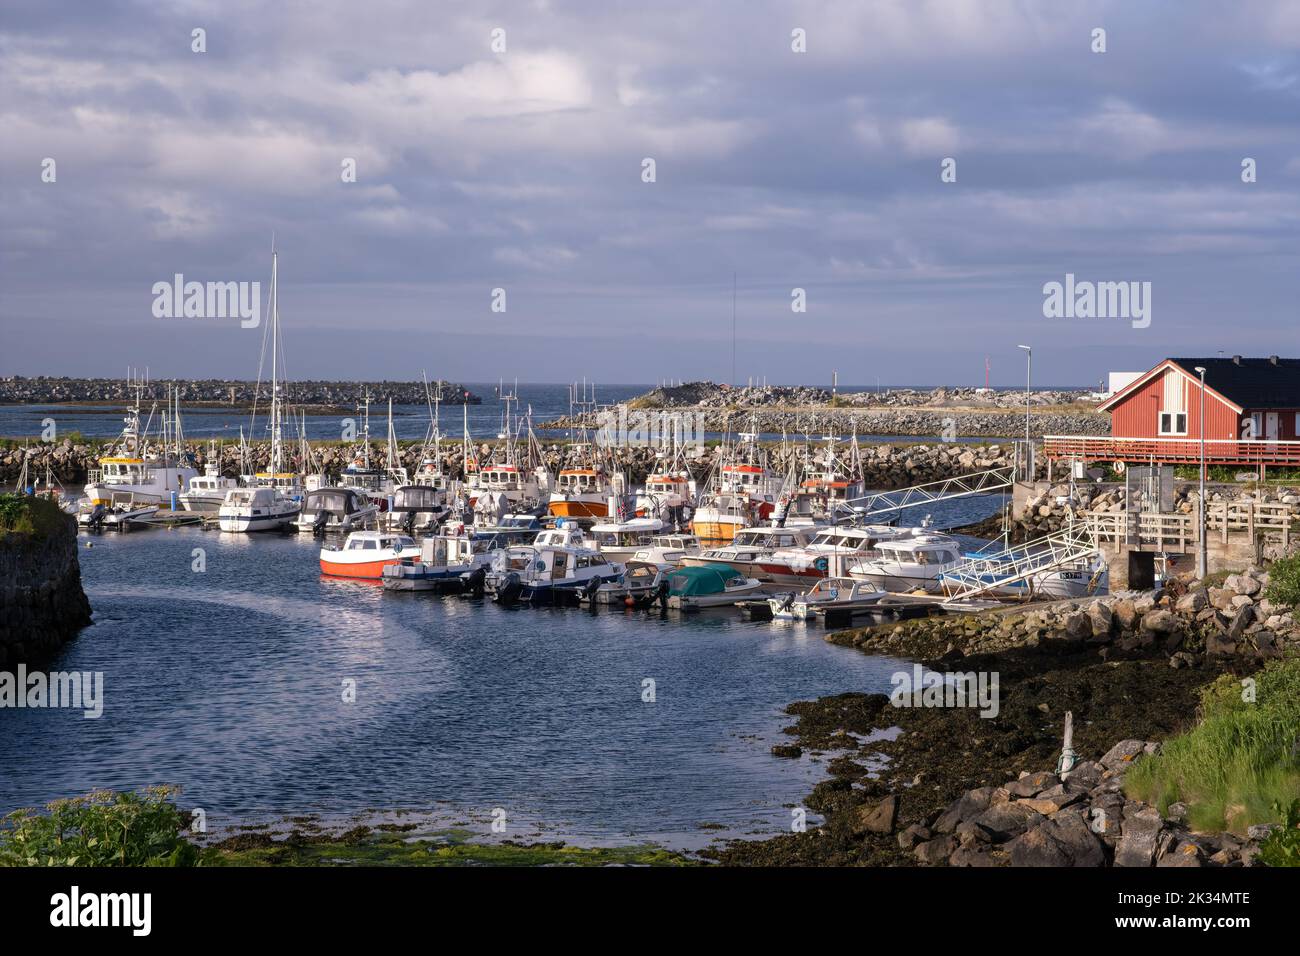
(1202, 558)
(1029, 374)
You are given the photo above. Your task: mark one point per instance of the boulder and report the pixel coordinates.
(935, 851)
(1159, 621)
(1032, 784)
(914, 834)
(1007, 820)
(1122, 754)
(1139, 836)
(1102, 618)
(1192, 602)
(966, 807)
(1036, 848)
(880, 818)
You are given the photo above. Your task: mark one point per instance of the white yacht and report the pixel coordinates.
(750, 551)
(207, 491)
(828, 596)
(621, 540)
(830, 552)
(910, 564)
(271, 499)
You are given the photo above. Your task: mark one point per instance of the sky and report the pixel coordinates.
(503, 146)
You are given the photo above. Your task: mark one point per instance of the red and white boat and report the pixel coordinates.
(365, 554)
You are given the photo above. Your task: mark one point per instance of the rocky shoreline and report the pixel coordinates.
(956, 789)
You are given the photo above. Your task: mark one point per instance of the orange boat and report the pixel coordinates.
(365, 554)
(580, 493)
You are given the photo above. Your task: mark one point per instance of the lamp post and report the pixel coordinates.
(1029, 375)
(1202, 556)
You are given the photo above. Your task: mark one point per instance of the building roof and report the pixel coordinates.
(1250, 382)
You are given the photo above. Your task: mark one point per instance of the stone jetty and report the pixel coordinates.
(47, 390)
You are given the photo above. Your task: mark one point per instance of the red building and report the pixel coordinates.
(1252, 415)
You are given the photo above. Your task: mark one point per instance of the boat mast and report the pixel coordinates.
(277, 450)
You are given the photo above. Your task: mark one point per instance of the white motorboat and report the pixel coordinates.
(331, 510)
(829, 553)
(247, 510)
(750, 551)
(416, 508)
(621, 540)
(535, 573)
(444, 561)
(909, 564)
(710, 585)
(829, 596)
(114, 516)
(640, 582)
(668, 549)
(207, 492)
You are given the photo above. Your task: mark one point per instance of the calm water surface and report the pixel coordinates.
(228, 683)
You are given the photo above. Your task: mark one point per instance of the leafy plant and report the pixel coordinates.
(1284, 581)
(103, 828)
(1282, 848)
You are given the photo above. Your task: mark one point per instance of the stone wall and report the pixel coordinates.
(42, 604)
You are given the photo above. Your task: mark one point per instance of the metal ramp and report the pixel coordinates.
(863, 510)
(980, 576)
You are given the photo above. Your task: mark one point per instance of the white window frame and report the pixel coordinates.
(1173, 421)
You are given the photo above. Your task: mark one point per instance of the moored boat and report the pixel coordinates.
(365, 554)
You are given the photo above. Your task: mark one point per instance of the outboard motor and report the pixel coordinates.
(473, 582)
(789, 600)
(510, 589)
(408, 522)
(96, 522)
(319, 523)
(661, 594)
(590, 588)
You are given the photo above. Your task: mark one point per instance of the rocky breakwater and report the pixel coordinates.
(46, 389)
(42, 604)
(945, 413)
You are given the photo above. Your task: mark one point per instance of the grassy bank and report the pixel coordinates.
(21, 514)
(1239, 766)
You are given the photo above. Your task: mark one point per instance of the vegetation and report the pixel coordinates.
(1282, 848)
(1284, 581)
(23, 514)
(365, 847)
(1240, 766)
(104, 828)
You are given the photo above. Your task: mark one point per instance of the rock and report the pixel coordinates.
(1102, 618)
(1139, 836)
(1240, 621)
(1159, 621)
(1080, 845)
(1032, 784)
(1242, 584)
(1125, 611)
(1182, 853)
(913, 835)
(1176, 812)
(789, 751)
(966, 807)
(1036, 848)
(1260, 832)
(1122, 754)
(1192, 602)
(881, 818)
(935, 851)
(1219, 645)
(1007, 820)
(973, 856)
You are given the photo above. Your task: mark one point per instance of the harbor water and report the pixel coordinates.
(226, 658)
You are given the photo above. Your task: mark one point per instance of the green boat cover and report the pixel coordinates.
(705, 579)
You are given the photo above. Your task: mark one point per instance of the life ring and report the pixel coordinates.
(1119, 467)
(131, 444)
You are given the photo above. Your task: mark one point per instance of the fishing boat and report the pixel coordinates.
(270, 499)
(750, 552)
(416, 508)
(668, 549)
(333, 510)
(365, 554)
(835, 483)
(207, 491)
(709, 585)
(536, 573)
(742, 493)
(909, 564)
(830, 597)
(144, 471)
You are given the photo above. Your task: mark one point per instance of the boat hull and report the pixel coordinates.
(249, 524)
(373, 570)
(577, 508)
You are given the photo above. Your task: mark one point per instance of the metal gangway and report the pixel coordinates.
(863, 510)
(983, 574)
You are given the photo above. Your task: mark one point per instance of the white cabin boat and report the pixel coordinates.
(534, 573)
(910, 564)
(207, 492)
(621, 540)
(336, 510)
(248, 510)
(365, 554)
(828, 596)
(750, 552)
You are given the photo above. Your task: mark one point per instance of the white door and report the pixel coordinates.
(1271, 424)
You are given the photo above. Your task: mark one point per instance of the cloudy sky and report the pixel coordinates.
(522, 170)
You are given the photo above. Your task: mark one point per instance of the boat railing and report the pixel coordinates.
(982, 574)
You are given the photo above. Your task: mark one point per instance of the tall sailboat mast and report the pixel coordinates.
(277, 449)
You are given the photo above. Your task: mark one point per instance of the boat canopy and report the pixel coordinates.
(417, 498)
(703, 579)
(342, 501)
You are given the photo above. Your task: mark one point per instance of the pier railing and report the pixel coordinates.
(1176, 451)
(862, 510)
(1176, 532)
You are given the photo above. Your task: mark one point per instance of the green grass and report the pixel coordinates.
(1284, 581)
(1241, 764)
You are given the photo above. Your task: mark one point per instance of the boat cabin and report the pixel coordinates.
(577, 481)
